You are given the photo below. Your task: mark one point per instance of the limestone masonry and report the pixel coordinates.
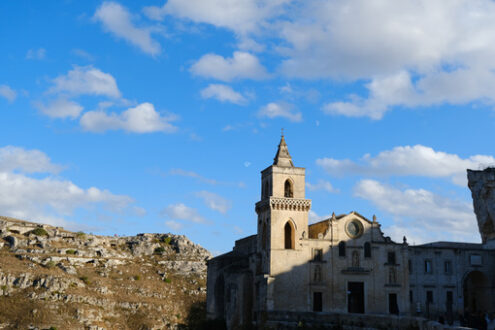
(331, 272)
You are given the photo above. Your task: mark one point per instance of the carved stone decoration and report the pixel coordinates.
(482, 185)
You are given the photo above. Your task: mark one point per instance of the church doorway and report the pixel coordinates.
(355, 297)
(476, 292)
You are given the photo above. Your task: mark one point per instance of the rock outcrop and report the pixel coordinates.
(54, 278)
(482, 185)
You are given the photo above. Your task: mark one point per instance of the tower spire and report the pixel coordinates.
(283, 158)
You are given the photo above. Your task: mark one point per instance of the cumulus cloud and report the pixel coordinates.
(240, 16)
(420, 210)
(45, 198)
(182, 212)
(60, 108)
(117, 20)
(214, 201)
(174, 225)
(223, 93)
(86, 80)
(405, 54)
(241, 65)
(36, 54)
(140, 119)
(280, 109)
(321, 185)
(8, 93)
(415, 160)
(313, 217)
(456, 87)
(26, 161)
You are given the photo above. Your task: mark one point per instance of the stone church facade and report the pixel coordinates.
(343, 264)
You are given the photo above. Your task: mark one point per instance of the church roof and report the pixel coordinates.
(283, 158)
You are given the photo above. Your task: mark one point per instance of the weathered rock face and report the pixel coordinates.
(482, 185)
(50, 277)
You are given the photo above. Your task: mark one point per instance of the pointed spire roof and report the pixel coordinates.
(283, 158)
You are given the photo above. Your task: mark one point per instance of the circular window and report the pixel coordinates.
(354, 228)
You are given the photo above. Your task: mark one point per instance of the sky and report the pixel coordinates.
(150, 116)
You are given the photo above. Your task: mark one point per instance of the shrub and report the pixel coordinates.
(159, 250)
(50, 264)
(167, 240)
(70, 251)
(52, 328)
(137, 277)
(85, 279)
(80, 234)
(39, 232)
(167, 280)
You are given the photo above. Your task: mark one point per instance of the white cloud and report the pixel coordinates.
(117, 20)
(456, 87)
(86, 80)
(214, 201)
(83, 54)
(414, 210)
(60, 108)
(8, 93)
(26, 161)
(409, 53)
(321, 185)
(416, 160)
(280, 109)
(223, 93)
(140, 119)
(174, 225)
(182, 212)
(241, 65)
(241, 16)
(313, 217)
(36, 54)
(44, 198)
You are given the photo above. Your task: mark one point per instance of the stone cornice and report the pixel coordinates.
(291, 204)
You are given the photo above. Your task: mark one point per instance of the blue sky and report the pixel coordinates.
(128, 117)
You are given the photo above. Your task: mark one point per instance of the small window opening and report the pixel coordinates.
(289, 235)
(342, 249)
(288, 189)
(367, 250)
(391, 258)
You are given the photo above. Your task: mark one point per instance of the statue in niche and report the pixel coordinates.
(355, 259)
(317, 274)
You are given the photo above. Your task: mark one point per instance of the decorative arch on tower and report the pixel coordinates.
(288, 188)
(289, 235)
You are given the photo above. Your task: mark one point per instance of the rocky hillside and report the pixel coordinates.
(51, 278)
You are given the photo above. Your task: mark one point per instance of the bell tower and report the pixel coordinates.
(282, 210)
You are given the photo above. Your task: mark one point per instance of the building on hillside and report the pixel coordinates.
(344, 264)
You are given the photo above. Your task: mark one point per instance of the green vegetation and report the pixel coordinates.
(137, 277)
(52, 328)
(85, 279)
(39, 232)
(70, 251)
(167, 280)
(167, 240)
(80, 235)
(159, 250)
(50, 264)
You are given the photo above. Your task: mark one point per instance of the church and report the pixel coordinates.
(343, 266)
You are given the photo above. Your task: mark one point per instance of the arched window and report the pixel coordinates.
(289, 235)
(367, 250)
(288, 189)
(263, 237)
(342, 249)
